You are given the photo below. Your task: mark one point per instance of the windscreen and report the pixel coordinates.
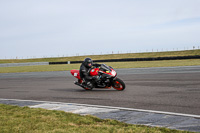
(104, 68)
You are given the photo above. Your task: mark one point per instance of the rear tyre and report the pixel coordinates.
(86, 88)
(118, 84)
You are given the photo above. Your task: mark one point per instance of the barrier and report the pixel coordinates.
(132, 59)
(106, 60)
(23, 64)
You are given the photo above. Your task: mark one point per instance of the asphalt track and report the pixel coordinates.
(170, 89)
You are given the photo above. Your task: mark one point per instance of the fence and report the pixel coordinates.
(108, 52)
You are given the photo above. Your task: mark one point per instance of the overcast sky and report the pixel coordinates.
(37, 28)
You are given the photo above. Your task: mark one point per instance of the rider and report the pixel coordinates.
(85, 72)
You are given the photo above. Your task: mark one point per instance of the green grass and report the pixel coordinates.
(110, 56)
(139, 64)
(24, 119)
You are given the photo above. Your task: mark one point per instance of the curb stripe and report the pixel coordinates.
(111, 107)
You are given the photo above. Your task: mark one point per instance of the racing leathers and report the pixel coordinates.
(85, 75)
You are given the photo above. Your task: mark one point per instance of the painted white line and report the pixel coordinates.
(111, 107)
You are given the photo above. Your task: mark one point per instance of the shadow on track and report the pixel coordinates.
(82, 90)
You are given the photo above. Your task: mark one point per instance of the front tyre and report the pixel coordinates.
(118, 84)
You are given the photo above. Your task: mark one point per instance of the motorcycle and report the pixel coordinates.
(107, 78)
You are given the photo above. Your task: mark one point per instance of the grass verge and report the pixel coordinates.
(139, 64)
(109, 56)
(25, 119)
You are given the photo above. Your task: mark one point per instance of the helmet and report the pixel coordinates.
(88, 62)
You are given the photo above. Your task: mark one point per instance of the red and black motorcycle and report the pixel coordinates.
(107, 78)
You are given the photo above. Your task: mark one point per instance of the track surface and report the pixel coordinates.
(171, 89)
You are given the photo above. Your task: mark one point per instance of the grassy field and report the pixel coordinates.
(23, 119)
(110, 56)
(139, 64)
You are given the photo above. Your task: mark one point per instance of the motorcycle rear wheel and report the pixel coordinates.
(87, 88)
(118, 84)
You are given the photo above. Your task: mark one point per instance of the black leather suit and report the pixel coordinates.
(85, 72)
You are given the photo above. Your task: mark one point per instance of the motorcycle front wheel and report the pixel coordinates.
(118, 84)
